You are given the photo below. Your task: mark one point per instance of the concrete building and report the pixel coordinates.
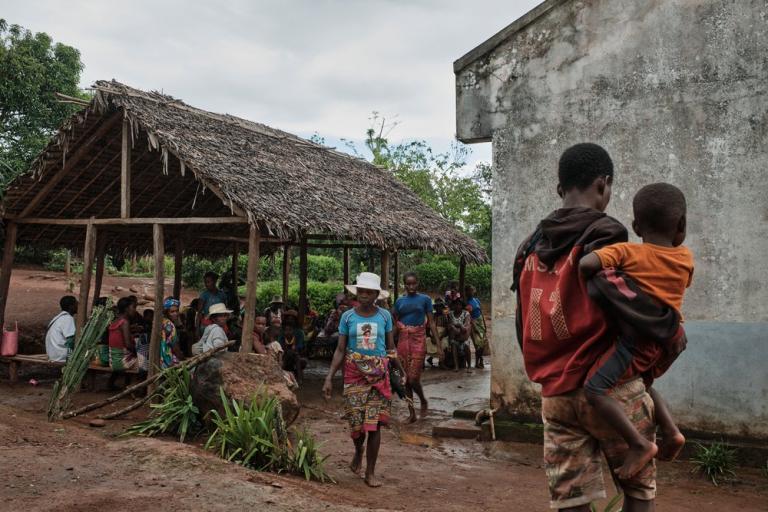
(677, 91)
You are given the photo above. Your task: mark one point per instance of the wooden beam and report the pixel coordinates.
(9, 248)
(158, 242)
(133, 221)
(235, 265)
(286, 270)
(69, 164)
(462, 276)
(243, 240)
(246, 344)
(125, 171)
(385, 270)
(396, 279)
(101, 243)
(346, 266)
(302, 282)
(85, 281)
(178, 262)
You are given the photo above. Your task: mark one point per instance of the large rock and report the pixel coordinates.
(241, 375)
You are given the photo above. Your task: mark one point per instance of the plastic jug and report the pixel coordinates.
(10, 344)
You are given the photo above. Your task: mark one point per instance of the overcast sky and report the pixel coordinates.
(302, 66)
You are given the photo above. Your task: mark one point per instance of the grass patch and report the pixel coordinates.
(716, 461)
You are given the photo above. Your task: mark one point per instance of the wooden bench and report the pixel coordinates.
(42, 360)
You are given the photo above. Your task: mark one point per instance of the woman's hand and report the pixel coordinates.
(327, 388)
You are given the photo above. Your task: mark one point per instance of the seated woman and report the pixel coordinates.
(122, 347)
(214, 335)
(459, 325)
(260, 334)
(170, 350)
(441, 321)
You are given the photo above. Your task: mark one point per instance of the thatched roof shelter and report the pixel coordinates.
(134, 170)
(187, 162)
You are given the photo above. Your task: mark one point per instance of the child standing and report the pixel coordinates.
(663, 268)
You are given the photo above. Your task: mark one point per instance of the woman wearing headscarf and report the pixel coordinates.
(170, 349)
(366, 349)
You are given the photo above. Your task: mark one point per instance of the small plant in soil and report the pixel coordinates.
(176, 413)
(716, 461)
(254, 435)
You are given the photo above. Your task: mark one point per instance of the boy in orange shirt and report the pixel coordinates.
(663, 268)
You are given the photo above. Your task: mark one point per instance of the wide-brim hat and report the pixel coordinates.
(367, 281)
(218, 309)
(276, 299)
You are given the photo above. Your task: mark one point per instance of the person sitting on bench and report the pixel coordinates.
(60, 337)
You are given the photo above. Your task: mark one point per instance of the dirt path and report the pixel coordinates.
(70, 466)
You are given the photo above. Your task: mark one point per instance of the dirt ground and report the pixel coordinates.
(71, 466)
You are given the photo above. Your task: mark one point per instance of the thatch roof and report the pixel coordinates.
(288, 186)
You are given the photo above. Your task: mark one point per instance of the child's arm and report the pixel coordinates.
(590, 265)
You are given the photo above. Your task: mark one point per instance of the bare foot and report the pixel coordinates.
(671, 445)
(636, 459)
(357, 461)
(372, 481)
(411, 414)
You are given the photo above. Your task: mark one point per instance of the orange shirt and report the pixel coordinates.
(662, 272)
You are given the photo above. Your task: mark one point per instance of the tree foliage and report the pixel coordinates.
(32, 69)
(441, 180)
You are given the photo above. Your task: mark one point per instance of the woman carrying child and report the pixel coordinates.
(122, 347)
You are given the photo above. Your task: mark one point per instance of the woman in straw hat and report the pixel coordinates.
(366, 349)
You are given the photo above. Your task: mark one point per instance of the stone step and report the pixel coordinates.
(457, 428)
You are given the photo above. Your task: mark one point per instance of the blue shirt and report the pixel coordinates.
(366, 335)
(476, 311)
(413, 309)
(209, 299)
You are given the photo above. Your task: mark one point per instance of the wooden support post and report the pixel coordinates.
(396, 280)
(5, 271)
(125, 172)
(346, 266)
(286, 270)
(254, 240)
(101, 244)
(385, 269)
(462, 277)
(236, 269)
(68, 270)
(178, 263)
(302, 282)
(158, 241)
(85, 282)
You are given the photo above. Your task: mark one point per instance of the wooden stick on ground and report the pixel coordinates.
(125, 410)
(189, 363)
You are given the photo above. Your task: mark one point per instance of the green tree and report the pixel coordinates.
(32, 69)
(439, 179)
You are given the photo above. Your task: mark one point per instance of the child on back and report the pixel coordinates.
(662, 267)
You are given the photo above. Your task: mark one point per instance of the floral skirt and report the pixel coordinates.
(367, 394)
(412, 349)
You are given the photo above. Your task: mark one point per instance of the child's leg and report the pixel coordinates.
(672, 441)
(640, 450)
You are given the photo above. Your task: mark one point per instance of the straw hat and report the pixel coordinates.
(367, 281)
(218, 309)
(277, 299)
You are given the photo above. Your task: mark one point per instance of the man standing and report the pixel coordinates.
(60, 337)
(563, 332)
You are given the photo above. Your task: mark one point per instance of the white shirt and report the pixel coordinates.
(213, 337)
(59, 329)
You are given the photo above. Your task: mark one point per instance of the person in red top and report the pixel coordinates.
(562, 333)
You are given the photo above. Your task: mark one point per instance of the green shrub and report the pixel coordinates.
(176, 413)
(433, 275)
(321, 295)
(717, 460)
(479, 276)
(319, 268)
(254, 436)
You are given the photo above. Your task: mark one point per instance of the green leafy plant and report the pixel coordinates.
(254, 435)
(716, 461)
(176, 413)
(611, 506)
